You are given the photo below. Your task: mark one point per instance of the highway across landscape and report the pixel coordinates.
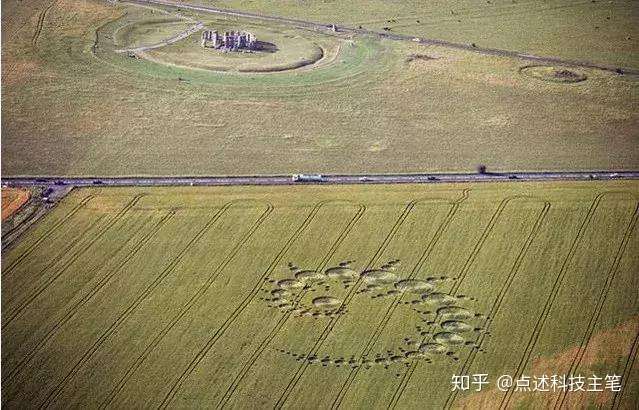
(328, 179)
(401, 37)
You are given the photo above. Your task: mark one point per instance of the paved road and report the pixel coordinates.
(327, 179)
(393, 36)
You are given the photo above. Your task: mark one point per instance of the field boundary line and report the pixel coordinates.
(74, 309)
(131, 308)
(244, 239)
(278, 326)
(541, 320)
(46, 234)
(470, 358)
(594, 318)
(632, 356)
(72, 259)
(177, 385)
(463, 273)
(350, 294)
(391, 308)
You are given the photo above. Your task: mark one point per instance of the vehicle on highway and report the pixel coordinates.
(308, 178)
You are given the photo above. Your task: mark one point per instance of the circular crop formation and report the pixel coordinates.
(440, 326)
(555, 74)
(178, 43)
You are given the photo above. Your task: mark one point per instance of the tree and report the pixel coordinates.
(481, 169)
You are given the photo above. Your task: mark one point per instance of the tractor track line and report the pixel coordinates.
(632, 357)
(100, 285)
(541, 320)
(594, 318)
(350, 294)
(269, 338)
(131, 308)
(187, 306)
(64, 251)
(391, 309)
(45, 235)
(470, 359)
(72, 260)
(463, 273)
(177, 385)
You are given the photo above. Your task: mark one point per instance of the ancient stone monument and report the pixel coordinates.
(229, 41)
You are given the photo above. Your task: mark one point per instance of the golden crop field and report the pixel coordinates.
(323, 296)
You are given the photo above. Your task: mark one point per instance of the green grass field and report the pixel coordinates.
(596, 31)
(72, 105)
(317, 296)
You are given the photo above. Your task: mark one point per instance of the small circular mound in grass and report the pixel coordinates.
(454, 313)
(555, 74)
(436, 348)
(438, 298)
(448, 338)
(280, 293)
(290, 284)
(309, 276)
(378, 276)
(456, 326)
(413, 286)
(326, 302)
(341, 272)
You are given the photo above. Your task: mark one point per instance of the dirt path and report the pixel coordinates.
(182, 35)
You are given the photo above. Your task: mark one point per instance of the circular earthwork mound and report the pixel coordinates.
(555, 74)
(274, 50)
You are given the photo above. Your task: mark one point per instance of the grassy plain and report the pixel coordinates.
(589, 30)
(312, 296)
(73, 106)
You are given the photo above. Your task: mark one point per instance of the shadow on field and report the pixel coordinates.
(265, 47)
